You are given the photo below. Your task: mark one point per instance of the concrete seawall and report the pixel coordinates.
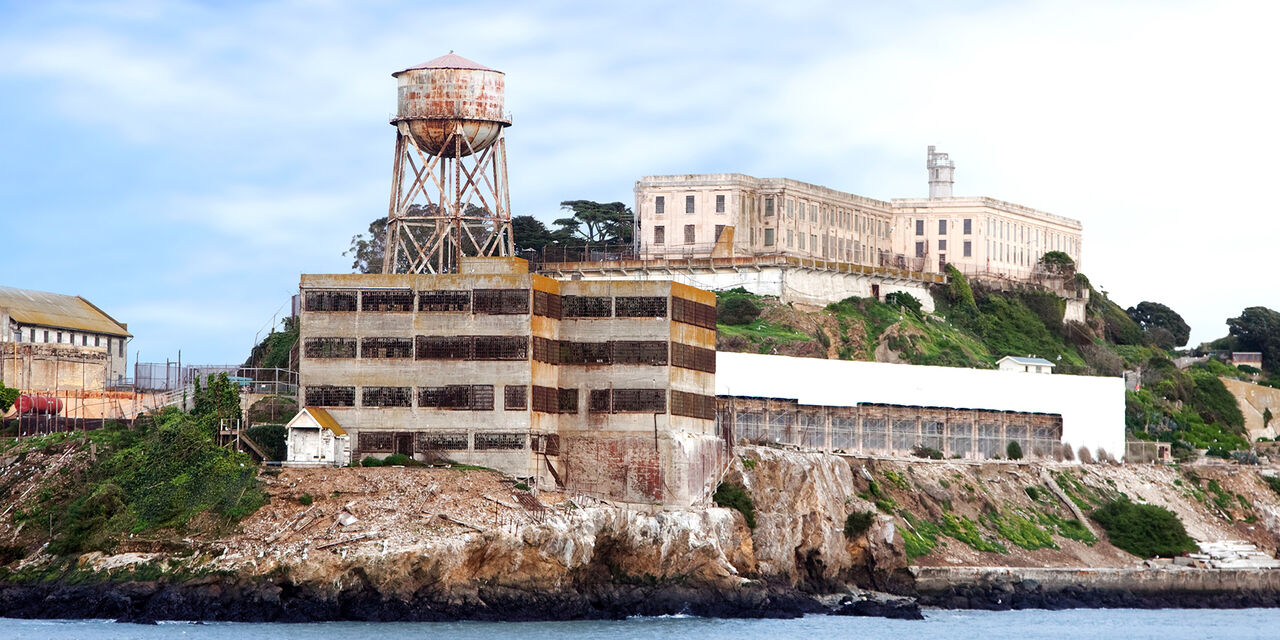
(934, 580)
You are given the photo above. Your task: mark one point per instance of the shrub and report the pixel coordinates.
(737, 310)
(734, 496)
(271, 438)
(398, 460)
(922, 451)
(1013, 450)
(904, 300)
(857, 523)
(1273, 482)
(370, 461)
(306, 500)
(520, 486)
(1084, 455)
(1144, 530)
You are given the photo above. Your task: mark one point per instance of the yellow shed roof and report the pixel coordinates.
(325, 420)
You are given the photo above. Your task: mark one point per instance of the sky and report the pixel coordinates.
(181, 163)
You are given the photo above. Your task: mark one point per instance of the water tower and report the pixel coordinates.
(449, 182)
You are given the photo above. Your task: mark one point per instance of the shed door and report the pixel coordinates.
(306, 444)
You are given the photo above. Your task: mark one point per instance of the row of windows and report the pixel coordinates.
(421, 348)
(690, 234)
(481, 301)
(942, 227)
(966, 249)
(48, 336)
(429, 441)
(480, 397)
(832, 217)
(660, 204)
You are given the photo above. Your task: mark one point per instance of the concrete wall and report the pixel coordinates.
(48, 367)
(1254, 400)
(938, 579)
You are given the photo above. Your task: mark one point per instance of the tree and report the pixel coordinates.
(530, 233)
(220, 398)
(1258, 329)
(1057, 263)
(1153, 316)
(595, 222)
(366, 253)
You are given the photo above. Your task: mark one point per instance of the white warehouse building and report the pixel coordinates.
(886, 408)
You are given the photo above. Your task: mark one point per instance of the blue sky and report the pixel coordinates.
(181, 163)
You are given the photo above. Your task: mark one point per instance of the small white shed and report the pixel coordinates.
(315, 439)
(1025, 365)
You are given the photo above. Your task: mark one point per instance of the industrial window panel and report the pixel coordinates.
(330, 396)
(639, 400)
(443, 347)
(546, 304)
(989, 440)
(386, 348)
(500, 301)
(693, 405)
(844, 432)
(584, 352)
(546, 399)
(694, 313)
(587, 306)
(504, 441)
(386, 396)
(960, 439)
(931, 434)
(546, 350)
(749, 425)
(598, 401)
(641, 306)
(375, 442)
(444, 300)
(330, 301)
(386, 301)
(329, 348)
(875, 434)
(651, 352)
(567, 400)
(515, 397)
(691, 357)
(904, 434)
(426, 442)
(812, 425)
(481, 397)
(501, 348)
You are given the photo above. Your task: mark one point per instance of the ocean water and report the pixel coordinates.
(1078, 624)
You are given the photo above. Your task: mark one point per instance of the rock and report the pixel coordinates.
(896, 609)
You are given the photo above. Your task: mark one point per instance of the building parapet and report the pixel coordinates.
(983, 201)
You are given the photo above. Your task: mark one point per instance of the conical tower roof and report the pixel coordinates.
(448, 61)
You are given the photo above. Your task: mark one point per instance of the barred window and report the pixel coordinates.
(546, 399)
(457, 397)
(385, 396)
(501, 348)
(425, 442)
(693, 405)
(386, 301)
(641, 307)
(694, 313)
(330, 301)
(568, 400)
(515, 397)
(501, 301)
(587, 306)
(330, 396)
(584, 352)
(639, 401)
(546, 304)
(598, 401)
(652, 352)
(443, 348)
(376, 442)
(507, 441)
(546, 350)
(329, 347)
(444, 300)
(691, 357)
(386, 348)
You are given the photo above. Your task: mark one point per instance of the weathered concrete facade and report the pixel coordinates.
(602, 387)
(61, 342)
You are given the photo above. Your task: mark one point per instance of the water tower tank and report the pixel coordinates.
(438, 96)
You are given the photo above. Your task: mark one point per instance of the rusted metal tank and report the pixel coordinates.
(439, 97)
(28, 403)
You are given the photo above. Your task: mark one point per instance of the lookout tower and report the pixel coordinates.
(941, 170)
(449, 181)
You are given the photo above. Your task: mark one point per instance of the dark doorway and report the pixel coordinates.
(404, 444)
(875, 291)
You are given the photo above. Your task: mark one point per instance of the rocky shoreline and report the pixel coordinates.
(1028, 594)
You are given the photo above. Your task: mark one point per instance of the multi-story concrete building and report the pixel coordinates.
(601, 387)
(724, 215)
(55, 342)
